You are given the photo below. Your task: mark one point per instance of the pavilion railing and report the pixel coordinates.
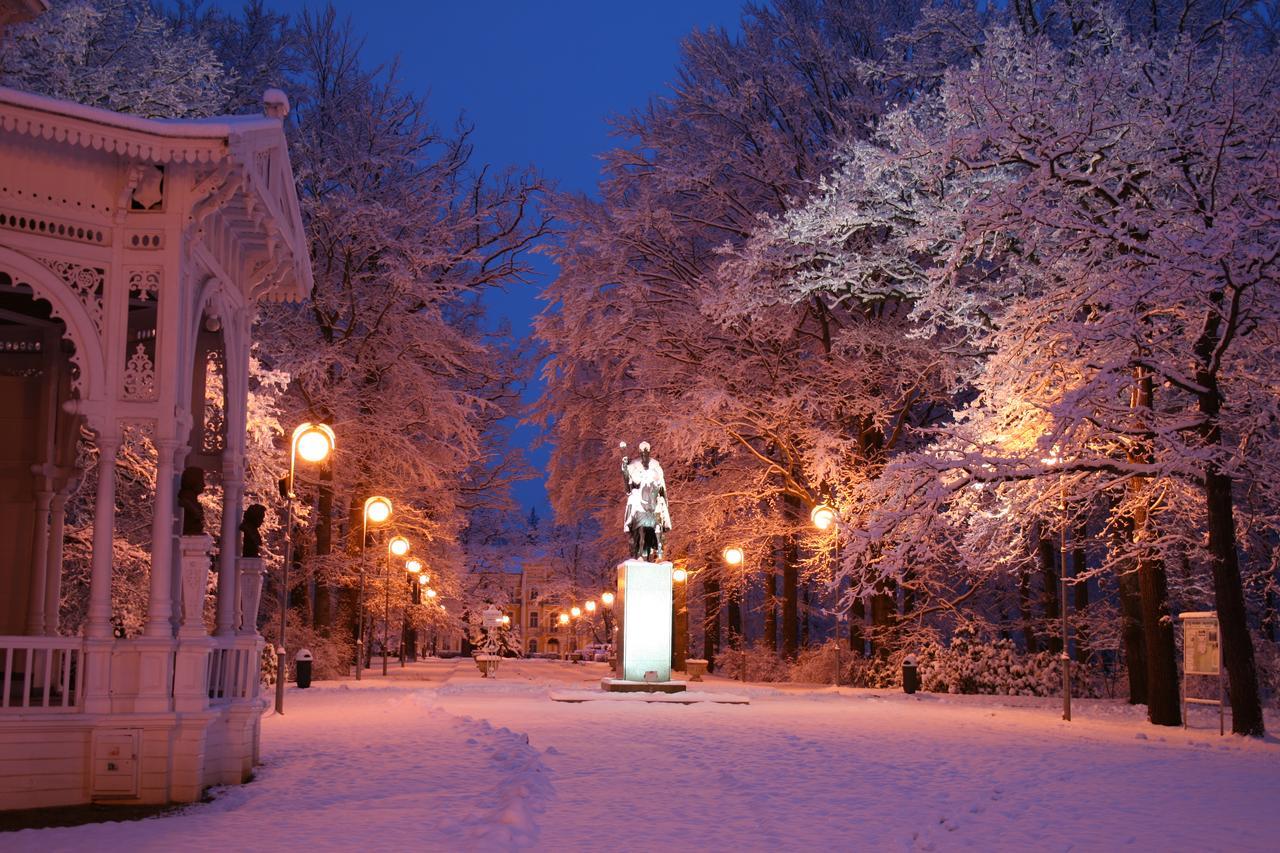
(41, 674)
(233, 672)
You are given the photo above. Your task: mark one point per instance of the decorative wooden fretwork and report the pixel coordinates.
(144, 283)
(55, 227)
(148, 238)
(86, 282)
(213, 439)
(140, 375)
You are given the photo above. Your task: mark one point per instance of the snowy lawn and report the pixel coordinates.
(436, 758)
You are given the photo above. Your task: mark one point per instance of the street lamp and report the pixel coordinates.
(397, 546)
(733, 555)
(1054, 460)
(314, 443)
(591, 606)
(679, 619)
(377, 510)
(607, 598)
(413, 567)
(564, 619)
(431, 593)
(423, 580)
(575, 611)
(822, 516)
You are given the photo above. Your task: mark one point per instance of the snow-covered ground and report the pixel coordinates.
(434, 758)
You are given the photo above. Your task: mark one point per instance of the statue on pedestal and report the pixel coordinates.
(647, 518)
(190, 487)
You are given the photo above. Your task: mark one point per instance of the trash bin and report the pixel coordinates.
(302, 667)
(910, 674)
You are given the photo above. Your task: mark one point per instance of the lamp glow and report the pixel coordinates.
(822, 516)
(591, 606)
(431, 593)
(377, 509)
(506, 620)
(564, 619)
(679, 576)
(733, 555)
(575, 611)
(414, 566)
(607, 598)
(313, 442)
(422, 580)
(398, 546)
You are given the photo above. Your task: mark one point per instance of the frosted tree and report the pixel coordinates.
(120, 55)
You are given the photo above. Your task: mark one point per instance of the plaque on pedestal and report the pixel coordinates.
(644, 622)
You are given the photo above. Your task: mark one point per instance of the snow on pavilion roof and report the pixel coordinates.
(239, 141)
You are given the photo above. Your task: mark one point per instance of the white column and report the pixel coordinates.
(39, 565)
(232, 493)
(160, 601)
(53, 563)
(104, 522)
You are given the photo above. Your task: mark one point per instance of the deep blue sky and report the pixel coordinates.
(538, 79)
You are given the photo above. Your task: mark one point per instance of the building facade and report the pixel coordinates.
(133, 253)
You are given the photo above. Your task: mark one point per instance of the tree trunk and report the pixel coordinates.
(1024, 612)
(1228, 591)
(1049, 574)
(857, 632)
(325, 599)
(1080, 586)
(711, 621)
(790, 598)
(1163, 698)
(771, 609)
(734, 636)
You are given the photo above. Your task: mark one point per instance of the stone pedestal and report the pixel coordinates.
(643, 608)
(194, 551)
(249, 586)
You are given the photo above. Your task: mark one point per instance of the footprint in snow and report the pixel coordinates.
(551, 750)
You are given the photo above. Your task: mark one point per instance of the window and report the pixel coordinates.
(533, 647)
(533, 619)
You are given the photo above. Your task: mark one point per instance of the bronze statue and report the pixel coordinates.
(192, 485)
(251, 540)
(647, 518)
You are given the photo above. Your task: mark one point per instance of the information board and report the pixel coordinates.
(1200, 654)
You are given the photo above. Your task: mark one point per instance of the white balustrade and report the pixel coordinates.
(41, 674)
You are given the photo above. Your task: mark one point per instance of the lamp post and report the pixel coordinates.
(397, 546)
(314, 443)
(414, 568)
(823, 515)
(679, 619)
(734, 557)
(377, 510)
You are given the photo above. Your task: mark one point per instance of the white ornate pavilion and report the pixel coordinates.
(132, 255)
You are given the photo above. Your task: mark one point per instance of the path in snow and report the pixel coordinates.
(435, 758)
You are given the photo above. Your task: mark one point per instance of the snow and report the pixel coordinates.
(184, 128)
(437, 758)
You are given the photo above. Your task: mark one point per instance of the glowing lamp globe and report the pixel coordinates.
(377, 510)
(431, 593)
(591, 606)
(564, 619)
(575, 611)
(414, 566)
(679, 576)
(506, 620)
(313, 442)
(399, 546)
(607, 598)
(822, 516)
(733, 556)
(422, 580)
